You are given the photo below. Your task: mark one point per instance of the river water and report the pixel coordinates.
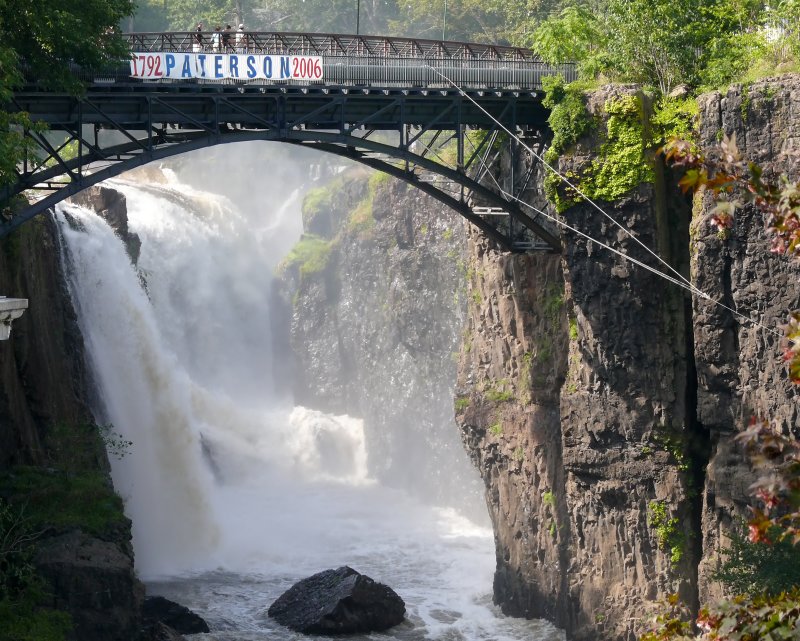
(234, 492)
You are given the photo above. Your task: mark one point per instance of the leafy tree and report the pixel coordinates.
(576, 34)
(755, 567)
(492, 21)
(49, 35)
(43, 38)
(663, 43)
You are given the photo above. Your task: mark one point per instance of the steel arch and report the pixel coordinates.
(348, 146)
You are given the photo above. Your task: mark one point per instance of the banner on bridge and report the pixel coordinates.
(223, 66)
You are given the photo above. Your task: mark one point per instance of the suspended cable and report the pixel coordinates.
(680, 281)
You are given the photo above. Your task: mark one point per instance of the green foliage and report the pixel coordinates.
(64, 500)
(377, 180)
(21, 590)
(496, 429)
(549, 499)
(622, 164)
(663, 43)
(50, 35)
(668, 534)
(361, 220)
(757, 618)
(16, 551)
(577, 35)
(673, 118)
(462, 403)
(623, 161)
(730, 58)
(554, 303)
(674, 443)
(25, 620)
(498, 392)
(310, 256)
(319, 200)
(569, 120)
(754, 568)
(518, 454)
(573, 329)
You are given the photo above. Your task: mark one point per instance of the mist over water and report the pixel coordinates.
(234, 493)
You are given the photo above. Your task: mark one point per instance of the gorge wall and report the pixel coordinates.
(375, 326)
(598, 402)
(53, 465)
(602, 419)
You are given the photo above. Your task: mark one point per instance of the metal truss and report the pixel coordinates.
(436, 141)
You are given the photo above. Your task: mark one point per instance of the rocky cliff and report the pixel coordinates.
(53, 464)
(600, 403)
(739, 368)
(376, 320)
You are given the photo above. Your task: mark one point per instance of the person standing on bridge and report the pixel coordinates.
(226, 38)
(197, 45)
(241, 39)
(216, 39)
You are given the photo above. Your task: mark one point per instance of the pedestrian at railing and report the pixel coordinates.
(197, 44)
(216, 39)
(241, 40)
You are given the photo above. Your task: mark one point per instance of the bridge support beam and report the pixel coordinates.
(436, 141)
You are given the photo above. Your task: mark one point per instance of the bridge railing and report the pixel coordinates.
(374, 61)
(322, 44)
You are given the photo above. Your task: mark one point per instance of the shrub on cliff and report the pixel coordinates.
(22, 617)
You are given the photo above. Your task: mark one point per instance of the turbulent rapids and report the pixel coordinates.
(234, 492)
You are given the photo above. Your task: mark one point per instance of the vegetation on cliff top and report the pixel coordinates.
(658, 44)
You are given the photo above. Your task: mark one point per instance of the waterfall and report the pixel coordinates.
(233, 492)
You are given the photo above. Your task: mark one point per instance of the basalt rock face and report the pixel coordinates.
(44, 392)
(375, 332)
(600, 403)
(574, 375)
(739, 369)
(41, 367)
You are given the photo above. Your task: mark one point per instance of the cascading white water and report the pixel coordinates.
(233, 493)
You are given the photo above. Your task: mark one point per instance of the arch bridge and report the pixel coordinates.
(431, 113)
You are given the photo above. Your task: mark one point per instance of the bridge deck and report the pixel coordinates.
(369, 85)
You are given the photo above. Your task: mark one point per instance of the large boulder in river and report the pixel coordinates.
(157, 609)
(340, 601)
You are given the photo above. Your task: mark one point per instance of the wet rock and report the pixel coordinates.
(340, 601)
(161, 632)
(111, 205)
(157, 609)
(93, 580)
